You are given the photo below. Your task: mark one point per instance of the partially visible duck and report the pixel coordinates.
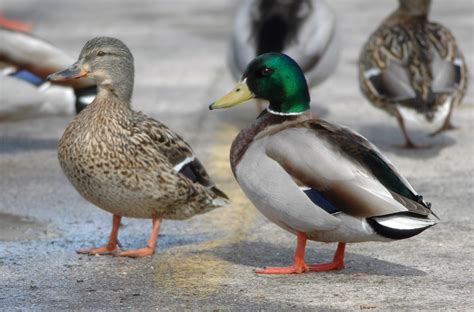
(315, 179)
(25, 58)
(306, 30)
(14, 24)
(124, 161)
(413, 69)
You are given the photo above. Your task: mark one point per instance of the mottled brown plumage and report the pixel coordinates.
(124, 161)
(413, 67)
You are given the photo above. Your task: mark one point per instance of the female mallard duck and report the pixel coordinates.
(303, 29)
(320, 181)
(123, 161)
(413, 69)
(26, 58)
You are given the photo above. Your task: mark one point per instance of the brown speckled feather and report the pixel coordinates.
(123, 162)
(413, 62)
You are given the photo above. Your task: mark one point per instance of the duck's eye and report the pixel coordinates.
(100, 53)
(266, 71)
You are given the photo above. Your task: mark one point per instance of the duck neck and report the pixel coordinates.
(116, 82)
(120, 89)
(246, 136)
(295, 110)
(296, 104)
(414, 8)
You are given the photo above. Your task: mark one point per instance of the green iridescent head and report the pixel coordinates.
(274, 77)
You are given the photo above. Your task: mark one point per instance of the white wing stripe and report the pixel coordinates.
(186, 161)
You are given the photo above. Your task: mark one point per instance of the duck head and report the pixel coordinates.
(106, 60)
(274, 77)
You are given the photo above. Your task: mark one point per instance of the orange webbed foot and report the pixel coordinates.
(102, 251)
(294, 269)
(446, 127)
(413, 146)
(300, 266)
(336, 264)
(323, 267)
(136, 253)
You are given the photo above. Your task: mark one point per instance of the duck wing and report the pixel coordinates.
(343, 171)
(415, 65)
(448, 67)
(178, 152)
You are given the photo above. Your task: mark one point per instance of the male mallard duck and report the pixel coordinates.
(32, 59)
(413, 69)
(123, 161)
(304, 29)
(318, 180)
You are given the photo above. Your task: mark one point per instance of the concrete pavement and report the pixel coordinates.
(207, 262)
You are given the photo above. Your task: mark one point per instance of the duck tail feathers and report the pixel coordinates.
(400, 225)
(221, 200)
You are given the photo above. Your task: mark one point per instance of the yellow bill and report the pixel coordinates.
(239, 94)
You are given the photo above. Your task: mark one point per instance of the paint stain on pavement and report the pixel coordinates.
(193, 270)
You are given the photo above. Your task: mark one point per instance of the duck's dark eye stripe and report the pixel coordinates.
(100, 53)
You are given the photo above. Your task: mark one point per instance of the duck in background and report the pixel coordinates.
(413, 69)
(25, 63)
(318, 180)
(14, 24)
(306, 30)
(124, 161)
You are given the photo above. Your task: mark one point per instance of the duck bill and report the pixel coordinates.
(72, 72)
(241, 93)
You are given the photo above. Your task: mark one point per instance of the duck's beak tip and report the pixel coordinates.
(241, 93)
(68, 74)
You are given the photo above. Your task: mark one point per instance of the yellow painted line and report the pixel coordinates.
(194, 269)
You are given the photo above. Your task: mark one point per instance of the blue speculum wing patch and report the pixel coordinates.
(320, 200)
(29, 77)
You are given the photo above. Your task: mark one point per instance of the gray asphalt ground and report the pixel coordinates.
(207, 262)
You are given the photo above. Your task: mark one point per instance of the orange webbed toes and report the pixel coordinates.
(136, 253)
(283, 270)
(323, 267)
(105, 250)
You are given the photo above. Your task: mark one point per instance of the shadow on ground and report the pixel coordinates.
(389, 138)
(258, 254)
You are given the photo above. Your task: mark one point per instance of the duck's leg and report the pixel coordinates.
(447, 124)
(150, 247)
(336, 264)
(408, 142)
(299, 266)
(112, 245)
(14, 25)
